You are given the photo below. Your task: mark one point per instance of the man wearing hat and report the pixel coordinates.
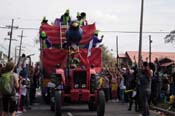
(45, 40)
(65, 18)
(83, 20)
(44, 21)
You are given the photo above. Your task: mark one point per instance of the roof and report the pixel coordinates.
(154, 55)
(168, 64)
(122, 56)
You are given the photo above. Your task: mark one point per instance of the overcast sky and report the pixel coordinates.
(109, 15)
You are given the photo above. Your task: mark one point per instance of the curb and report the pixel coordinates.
(170, 113)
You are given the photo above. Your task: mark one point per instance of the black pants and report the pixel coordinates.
(23, 101)
(0, 105)
(133, 100)
(9, 103)
(107, 94)
(145, 106)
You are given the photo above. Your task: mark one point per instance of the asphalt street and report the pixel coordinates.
(112, 109)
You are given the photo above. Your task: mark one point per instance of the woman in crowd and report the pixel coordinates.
(9, 101)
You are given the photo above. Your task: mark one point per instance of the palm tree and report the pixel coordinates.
(170, 38)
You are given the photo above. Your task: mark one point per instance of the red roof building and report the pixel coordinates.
(154, 55)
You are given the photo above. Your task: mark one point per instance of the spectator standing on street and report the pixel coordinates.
(9, 101)
(145, 88)
(23, 66)
(1, 66)
(122, 88)
(36, 76)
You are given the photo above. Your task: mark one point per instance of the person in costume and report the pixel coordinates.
(94, 40)
(83, 20)
(45, 40)
(78, 16)
(44, 21)
(65, 18)
(74, 34)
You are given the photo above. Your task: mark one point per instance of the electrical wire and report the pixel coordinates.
(104, 31)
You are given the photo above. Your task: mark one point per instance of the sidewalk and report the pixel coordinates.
(169, 113)
(121, 109)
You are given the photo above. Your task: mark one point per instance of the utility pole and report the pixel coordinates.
(140, 35)
(21, 36)
(17, 49)
(150, 41)
(10, 40)
(117, 49)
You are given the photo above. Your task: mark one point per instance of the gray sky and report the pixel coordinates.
(109, 15)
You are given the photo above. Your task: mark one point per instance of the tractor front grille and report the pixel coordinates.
(79, 78)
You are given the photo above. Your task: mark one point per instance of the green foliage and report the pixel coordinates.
(107, 57)
(170, 38)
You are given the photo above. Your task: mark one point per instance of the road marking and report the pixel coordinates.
(69, 114)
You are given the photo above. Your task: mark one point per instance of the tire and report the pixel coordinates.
(101, 103)
(58, 103)
(92, 106)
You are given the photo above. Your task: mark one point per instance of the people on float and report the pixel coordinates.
(94, 40)
(45, 40)
(78, 16)
(65, 18)
(83, 20)
(74, 35)
(74, 61)
(60, 71)
(44, 21)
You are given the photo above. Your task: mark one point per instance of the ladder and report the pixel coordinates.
(63, 29)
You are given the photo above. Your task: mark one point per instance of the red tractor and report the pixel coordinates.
(80, 85)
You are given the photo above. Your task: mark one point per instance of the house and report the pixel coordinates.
(166, 59)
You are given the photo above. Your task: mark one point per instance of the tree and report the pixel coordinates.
(170, 38)
(107, 57)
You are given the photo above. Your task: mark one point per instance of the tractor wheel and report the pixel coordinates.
(58, 103)
(92, 106)
(101, 103)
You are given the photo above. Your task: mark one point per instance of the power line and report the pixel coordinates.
(105, 31)
(156, 32)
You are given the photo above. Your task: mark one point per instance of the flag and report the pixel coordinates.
(90, 47)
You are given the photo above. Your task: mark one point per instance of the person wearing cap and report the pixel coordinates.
(83, 20)
(78, 16)
(45, 40)
(94, 40)
(44, 21)
(65, 18)
(59, 70)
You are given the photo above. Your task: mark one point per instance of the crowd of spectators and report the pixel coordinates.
(26, 78)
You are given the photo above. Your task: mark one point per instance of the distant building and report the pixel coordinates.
(166, 59)
(3, 57)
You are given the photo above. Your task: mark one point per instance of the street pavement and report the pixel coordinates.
(112, 109)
